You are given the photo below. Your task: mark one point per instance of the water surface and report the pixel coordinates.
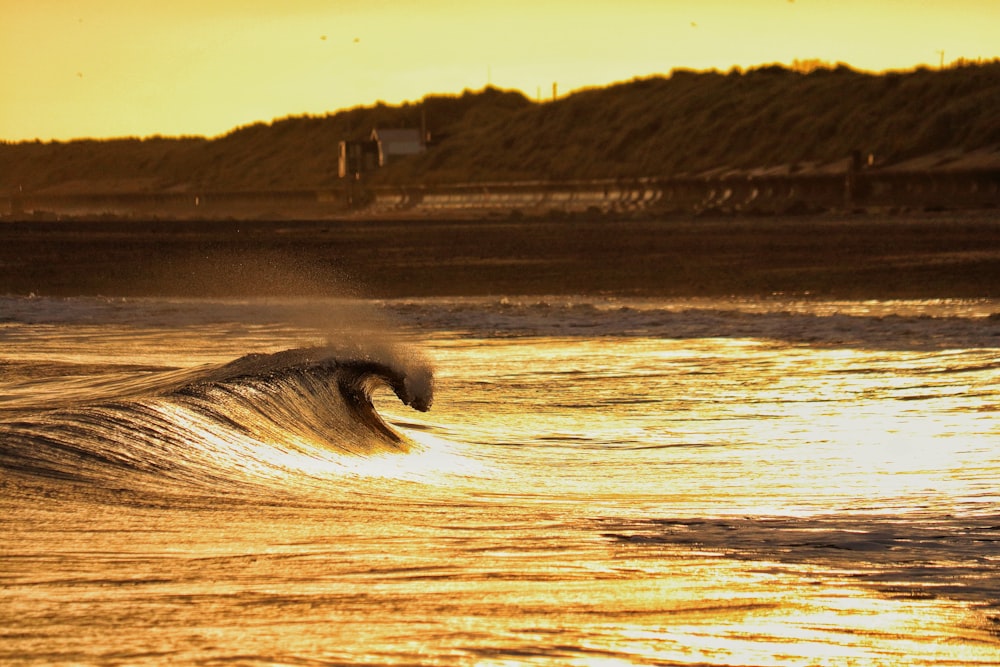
(598, 481)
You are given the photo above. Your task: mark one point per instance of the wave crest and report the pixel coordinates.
(247, 418)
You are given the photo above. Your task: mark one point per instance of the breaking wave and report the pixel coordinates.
(259, 417)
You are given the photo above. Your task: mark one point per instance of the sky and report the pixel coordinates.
(112, 68)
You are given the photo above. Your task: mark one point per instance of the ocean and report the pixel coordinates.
(499, 481)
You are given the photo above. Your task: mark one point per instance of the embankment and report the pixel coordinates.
(733, 193)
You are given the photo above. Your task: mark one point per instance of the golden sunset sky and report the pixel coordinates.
(109, 68)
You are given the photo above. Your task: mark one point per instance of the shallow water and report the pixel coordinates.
(599, 481)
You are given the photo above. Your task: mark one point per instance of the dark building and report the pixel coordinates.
(357, 157)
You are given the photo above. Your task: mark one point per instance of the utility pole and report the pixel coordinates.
(941, 53)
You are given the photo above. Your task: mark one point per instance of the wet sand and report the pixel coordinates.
(942, 255)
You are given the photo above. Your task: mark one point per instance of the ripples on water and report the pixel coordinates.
(599, 482)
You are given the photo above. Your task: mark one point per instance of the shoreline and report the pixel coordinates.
(903, 256)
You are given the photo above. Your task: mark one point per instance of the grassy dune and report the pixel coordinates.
(687, 122)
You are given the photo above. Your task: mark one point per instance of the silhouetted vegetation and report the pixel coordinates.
(685, 123)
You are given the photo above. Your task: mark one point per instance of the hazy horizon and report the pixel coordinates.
(109, 69)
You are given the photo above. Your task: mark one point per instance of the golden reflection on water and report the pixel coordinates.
(768, 428)
(467, 584)
(504, 537)
(749, 428)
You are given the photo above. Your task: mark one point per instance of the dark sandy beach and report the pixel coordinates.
(924, 255)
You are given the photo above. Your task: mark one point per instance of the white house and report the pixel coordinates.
(396, 143)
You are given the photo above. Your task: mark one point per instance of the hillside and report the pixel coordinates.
(684, 123)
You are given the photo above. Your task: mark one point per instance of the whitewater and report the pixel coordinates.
(499, 481)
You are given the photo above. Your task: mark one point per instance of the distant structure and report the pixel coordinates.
(357, 157)
(384, 146)
(396, 143)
